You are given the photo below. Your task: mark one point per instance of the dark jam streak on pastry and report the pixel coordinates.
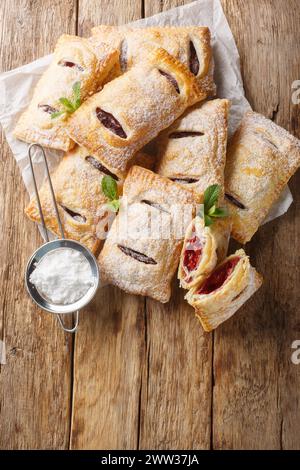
(47, 109)
(218, 277)
(155, 205)
(234, 201)
(194, 61)
(136, 255)
(75, 215)
(192, 254)
(100, 167)
(184, 180)
(110, 122)
(268, 141)
(123, 55)
(182, 134)
(171, 79)
(72, 65)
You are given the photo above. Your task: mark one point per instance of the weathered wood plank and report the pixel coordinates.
(152, 7)
(256, 391)
(176, 391)
(110, 345)
(35, 382)
(176, 388)
(114, 12)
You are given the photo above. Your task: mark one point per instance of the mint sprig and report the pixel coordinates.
(209, 210)
(69, 106)
(110, 190)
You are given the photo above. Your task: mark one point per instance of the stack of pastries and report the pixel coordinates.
(154, 87)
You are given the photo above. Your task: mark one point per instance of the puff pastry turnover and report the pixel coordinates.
(261, 159)
(75, 60)
(190, 45)
(193, 150)
(141, 253)
(202, 249)
(80, 200)
(227, 288)
(132, 109)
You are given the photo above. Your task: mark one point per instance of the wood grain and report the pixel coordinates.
(35, 382)
(256, 386)
(141, 374)
(176, 388)
(110, 345)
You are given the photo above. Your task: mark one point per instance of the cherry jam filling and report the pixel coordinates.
(234, 201)
(123, 55)
(183, 134)
(192, 253)
(96, 164)
(76, 216)
(155, 205)
(110, 122)
(218, 277)
(137, 255)
(47, 108)
(72, 65)
(194, 61)
(171, 80)
(184, 180)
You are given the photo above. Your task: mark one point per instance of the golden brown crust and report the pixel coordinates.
(216, 307)
(147, 198)
(197, 160)
(143, 101)
(77, 187)
(92, 62)
(261, 159)
(132, 43)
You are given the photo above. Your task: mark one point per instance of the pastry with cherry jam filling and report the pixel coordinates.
(217, 297)
(132, 109)
(203, 248)
(79, 196)
(261, 158)
(189, 44)
(192, 151)
(142, 249)
(74, 60)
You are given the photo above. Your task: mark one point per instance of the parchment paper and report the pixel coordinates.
(16, 86)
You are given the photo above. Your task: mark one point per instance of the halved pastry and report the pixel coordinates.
(75, 60)
(142, 250)
(189, 44)
(193, 150)
(202, 249)
(80, 200)
(224, 291)
(261, 159)
(132, 109)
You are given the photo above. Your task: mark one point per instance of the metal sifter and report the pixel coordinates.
(59, 310)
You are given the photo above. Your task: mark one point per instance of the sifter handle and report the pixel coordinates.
(69, 330)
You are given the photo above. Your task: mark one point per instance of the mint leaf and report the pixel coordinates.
(114, 205)
(69, 108)
(57, 114)
(212, 210)
(76, 94)
(211, 195)
(209, 210)
(219, 212)
(207, 220)
(109, 187)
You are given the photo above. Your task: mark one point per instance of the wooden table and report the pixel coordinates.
(139, 374)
